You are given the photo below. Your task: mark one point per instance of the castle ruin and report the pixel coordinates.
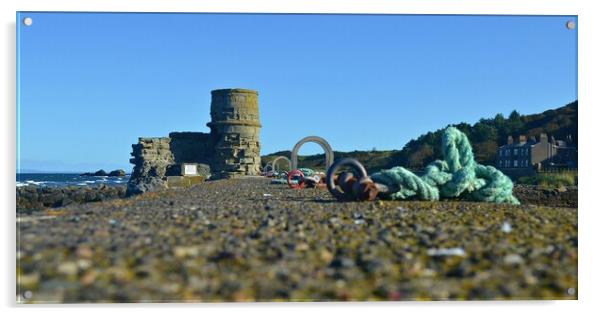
(231, 149)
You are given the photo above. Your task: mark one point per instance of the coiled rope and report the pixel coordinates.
(458, 175)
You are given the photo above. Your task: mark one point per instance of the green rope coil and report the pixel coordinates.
(458, 175)
(307, 172)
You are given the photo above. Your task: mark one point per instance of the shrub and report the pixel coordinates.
(551, 180)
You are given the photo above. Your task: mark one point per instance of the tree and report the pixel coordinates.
(499, 121)
(514, 123)
(483, 132)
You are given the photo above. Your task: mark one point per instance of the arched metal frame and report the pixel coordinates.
(313, 139)
(290, 165)
(268, 167)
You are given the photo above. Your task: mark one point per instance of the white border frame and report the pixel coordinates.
(589, 21)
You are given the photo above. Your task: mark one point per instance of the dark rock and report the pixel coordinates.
(147, 184)
(100, 173)
(117, 173)
(66, 201)
(341, 262)
(44, 197)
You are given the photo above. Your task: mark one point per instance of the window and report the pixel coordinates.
(515, 151)
(515, 163)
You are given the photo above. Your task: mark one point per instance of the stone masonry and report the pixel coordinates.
(231, 149)
(151, 157)
(235, 122)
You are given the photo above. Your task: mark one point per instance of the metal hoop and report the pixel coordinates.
(330, 176)
(300, 184)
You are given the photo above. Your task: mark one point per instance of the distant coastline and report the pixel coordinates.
(23, 171)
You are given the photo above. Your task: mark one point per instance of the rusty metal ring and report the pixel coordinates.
(300, 184)
(330, 176)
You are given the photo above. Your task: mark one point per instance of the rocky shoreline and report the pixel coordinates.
(35, 198)
(555, 197)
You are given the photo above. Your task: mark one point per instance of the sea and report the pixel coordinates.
(67, 179)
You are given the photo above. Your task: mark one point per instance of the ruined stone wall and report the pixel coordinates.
(151, 156)
(235, 125)
(159, 161)
(192, 147)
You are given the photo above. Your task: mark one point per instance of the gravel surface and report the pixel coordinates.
(247, 240)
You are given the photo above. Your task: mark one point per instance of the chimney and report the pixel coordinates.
(522, 139)
(543, 138)
(510, 140)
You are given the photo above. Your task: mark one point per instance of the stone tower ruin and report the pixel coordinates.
(235, 126)
(230, 150)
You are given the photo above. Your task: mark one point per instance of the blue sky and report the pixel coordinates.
(89, 84)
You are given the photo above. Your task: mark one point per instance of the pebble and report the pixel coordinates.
(89, 277)
(506, 227)
(68, 268)
(29, 280)
(84, 264)
(302, 247)
(446, 252)
(183, 252)
(513, 259)
(84, 252)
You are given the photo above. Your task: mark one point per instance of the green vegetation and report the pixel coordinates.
(373, 160)
(552, 179)
(485, 136)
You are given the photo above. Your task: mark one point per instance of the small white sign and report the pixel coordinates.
(190, 170)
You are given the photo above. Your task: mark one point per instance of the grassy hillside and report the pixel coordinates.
(485, 137)
(373, 160)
